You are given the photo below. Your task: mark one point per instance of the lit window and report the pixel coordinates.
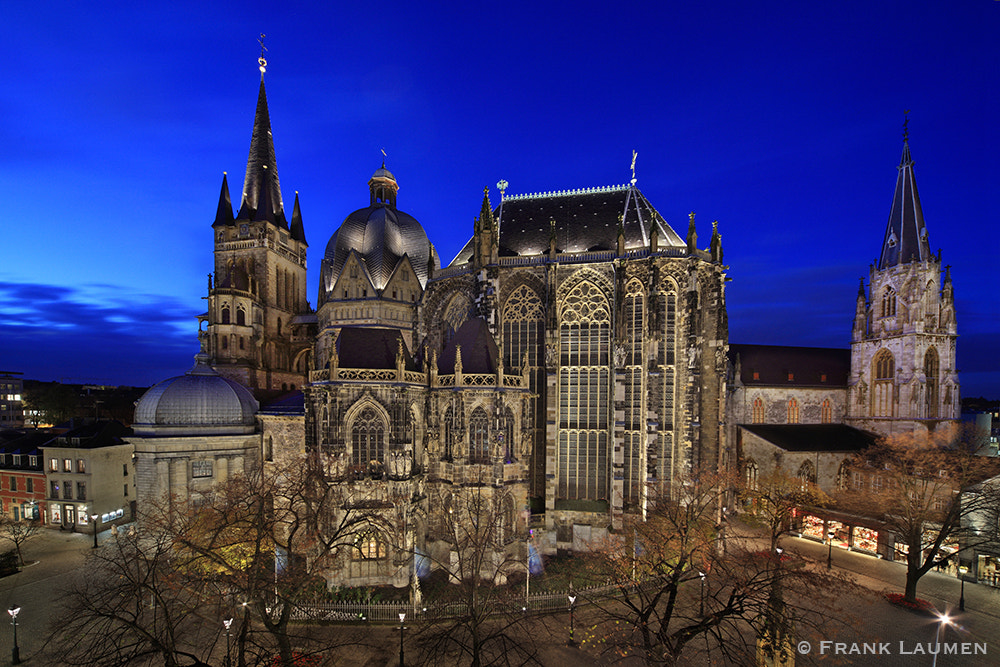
(81, 467)
(758, 410)
(793, 411)
(202, 468)
(67, 465)
(826, 412)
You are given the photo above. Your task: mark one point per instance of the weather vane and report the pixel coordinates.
(262, 60)
(634, 155)
(502, 186)
(906, 121)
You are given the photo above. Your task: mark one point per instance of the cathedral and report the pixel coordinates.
(570, 365)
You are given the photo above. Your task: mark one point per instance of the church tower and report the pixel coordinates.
(903, 374)
(259, 322)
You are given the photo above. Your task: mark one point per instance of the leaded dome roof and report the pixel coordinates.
(200, 402)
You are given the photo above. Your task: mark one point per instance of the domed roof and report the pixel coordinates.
(381, 235)
(200, 402)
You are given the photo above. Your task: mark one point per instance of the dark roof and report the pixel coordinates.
(104, 433)
(298, 232)
(586, 220)
(807, 365)
(371, 347)
(261, 198)
(224, 214)
(479, 350)
(292, 403)
(905, 234)
(813, 437)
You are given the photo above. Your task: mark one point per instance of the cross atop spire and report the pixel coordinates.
(262, 61)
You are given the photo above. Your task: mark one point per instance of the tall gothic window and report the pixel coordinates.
(635, 393)
(806, 475)
(449, 433)
(508, 435)
(523, 331)
(584, 394)
(666, 391)
(931, 383)
(241, 316)
(479, 437)
(843, 475)
(750, 474)
(826, 412)
(225, 314)
(367, 437)
(758, 410)
(884, 367)
(793, 411)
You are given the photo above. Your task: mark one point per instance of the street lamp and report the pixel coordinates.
(829, 553)
(572, 603)
(229, 659)
(702, 575)
(943, 620)
(15, 653)
(93, 518)
(402, 617)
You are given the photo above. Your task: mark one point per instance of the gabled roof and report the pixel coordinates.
(905, 234)
(813, 437)
(104, 433)
(585, 220)
(261, 186)
(786, 365)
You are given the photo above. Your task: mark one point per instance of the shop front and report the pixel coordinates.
(844, 532)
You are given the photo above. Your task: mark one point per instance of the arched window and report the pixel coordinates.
(584, 402)
(368, 546)
(750, 474)
(806, 474)
(367, 437)
(826, 412)
(225, 314)
(508, 436)
(843, 475)
(268, 448)
(793, 411)
(889, 302)
(458, 311)
(758, 410)
(883, 391)
(479, 437)
(931, 371)
(241, 316)
(635, 392)
(523, 328)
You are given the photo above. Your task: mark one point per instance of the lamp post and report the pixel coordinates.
(229, 659)
(572, 603)
(402, 617)
(93, 519)
(943, 620)
(829, 553)
(702, 610)
(15, 653)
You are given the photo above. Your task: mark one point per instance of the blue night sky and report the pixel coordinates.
(783, 121)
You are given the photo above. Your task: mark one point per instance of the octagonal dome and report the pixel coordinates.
(200, 402)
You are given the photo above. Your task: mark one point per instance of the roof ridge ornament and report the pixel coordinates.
(906, 122)
(634, 156)
(262, 61)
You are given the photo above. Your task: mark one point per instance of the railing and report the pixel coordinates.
(567, 258)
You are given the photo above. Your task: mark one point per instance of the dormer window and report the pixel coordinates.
(892, 239)
(756, 375)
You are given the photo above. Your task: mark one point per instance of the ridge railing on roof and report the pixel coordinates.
(505, 380)
(567, 258)
(568, 193)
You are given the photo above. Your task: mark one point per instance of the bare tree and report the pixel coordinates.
(478, 619)
(675, 586)
(18, 532)
(130, 606)
(919, 486)
(773, 499)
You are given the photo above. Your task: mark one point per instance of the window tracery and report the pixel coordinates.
(884, 384)
(479, 437)
(367, 437)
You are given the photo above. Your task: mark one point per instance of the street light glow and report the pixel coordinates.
(14, 611)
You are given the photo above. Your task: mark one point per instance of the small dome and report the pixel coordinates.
(200, 402)
(382, 172)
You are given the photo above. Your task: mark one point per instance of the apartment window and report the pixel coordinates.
(67, 490)
(67, 465)
(81, 466)
(29, 485)
(33, 461)
(53, 489)
(17, 459)
(13, 483)
(125, 490)
(124, 470)
(201, 468)
(53, 465)
(81, 490)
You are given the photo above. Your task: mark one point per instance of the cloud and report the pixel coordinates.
(94, 333)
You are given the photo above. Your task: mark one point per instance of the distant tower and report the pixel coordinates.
(903, 374)
(259, 322)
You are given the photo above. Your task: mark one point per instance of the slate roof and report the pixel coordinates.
(261, 190)
(479, 350)
(371, 347)
(807, 365)
(586, 220)
(813, 437)
(905, 234)
(104, 433)
(292, 403)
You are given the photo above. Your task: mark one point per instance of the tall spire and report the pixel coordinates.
(905, 234)
(262, 168)
(298, 231)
